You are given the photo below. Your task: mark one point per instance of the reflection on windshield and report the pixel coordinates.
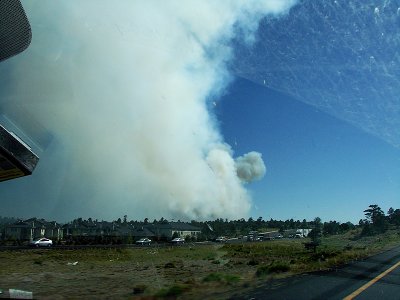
(339, 56)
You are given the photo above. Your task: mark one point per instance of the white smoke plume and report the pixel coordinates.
(124, 87)
(250, 166)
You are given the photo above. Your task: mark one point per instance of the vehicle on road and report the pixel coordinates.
(178, 241)
(253, 238)
(144, 241)
(221, 239)
(41, 242)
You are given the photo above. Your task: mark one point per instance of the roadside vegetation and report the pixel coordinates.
(198, 271)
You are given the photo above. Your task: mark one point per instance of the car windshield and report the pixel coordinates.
(205, 148)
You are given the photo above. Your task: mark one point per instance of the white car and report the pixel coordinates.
(41, 242)
(221, 239)
(178, 241)
(144, 241)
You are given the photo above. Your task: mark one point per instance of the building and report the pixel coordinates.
(143, 232)
(168, 230)
(88, 231)
(33, 228)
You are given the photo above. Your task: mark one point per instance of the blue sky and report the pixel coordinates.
(317, 165)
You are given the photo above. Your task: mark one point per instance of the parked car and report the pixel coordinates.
(41, 242)
(251, 238)
(274, 237)
(178, 241)
(221, 239)
(144, 241)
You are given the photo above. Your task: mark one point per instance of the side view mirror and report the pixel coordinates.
(15, 30)
(16, 157)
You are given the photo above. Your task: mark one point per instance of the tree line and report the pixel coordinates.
(376, 221)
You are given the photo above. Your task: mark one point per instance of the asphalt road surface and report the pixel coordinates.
(375, 278)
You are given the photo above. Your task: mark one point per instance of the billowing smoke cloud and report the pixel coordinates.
(250, 166)
(124, 89)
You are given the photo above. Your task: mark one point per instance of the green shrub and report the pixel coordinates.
(173, 291)
(139, 289)
(213, 277)
(218, 277)
(325, 254)
(253, 262)
(262, 271)
(273, 268)
(229, 278)
(279, 268)
(169, 265)
(38, 262)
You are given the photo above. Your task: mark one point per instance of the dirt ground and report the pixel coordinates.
(122, 273)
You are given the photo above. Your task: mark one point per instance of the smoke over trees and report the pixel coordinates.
(124, 91)
(250, 166)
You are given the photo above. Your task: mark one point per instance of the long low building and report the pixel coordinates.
(30, 229)
(174, 229)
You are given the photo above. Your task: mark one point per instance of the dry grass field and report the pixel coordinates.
(213, 271)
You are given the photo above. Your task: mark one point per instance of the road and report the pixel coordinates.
(75, 247)
(377, 277)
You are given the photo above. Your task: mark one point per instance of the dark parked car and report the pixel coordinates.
(221, 239)
(144, 241)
